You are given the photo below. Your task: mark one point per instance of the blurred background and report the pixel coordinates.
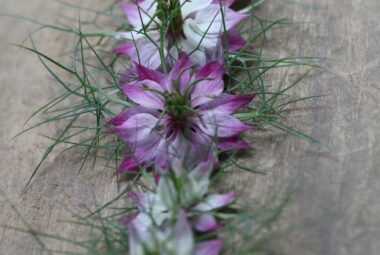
(335, 209)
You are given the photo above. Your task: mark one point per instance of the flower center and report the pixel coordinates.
(176, 106)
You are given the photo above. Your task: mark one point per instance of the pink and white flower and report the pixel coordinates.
(152, 227)
(191, 196)
(174, 238)
(183, 114)
(195, 28)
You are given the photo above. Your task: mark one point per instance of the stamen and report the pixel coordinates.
(176, 106)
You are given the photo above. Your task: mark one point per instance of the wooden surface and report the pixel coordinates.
(336, 207)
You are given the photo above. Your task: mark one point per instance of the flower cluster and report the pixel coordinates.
(170, 217)
(186, 81)
(197, 27)
(181, 114)
(180, 120)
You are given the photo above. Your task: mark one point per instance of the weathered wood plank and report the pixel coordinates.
(25, 86)
(338, 186)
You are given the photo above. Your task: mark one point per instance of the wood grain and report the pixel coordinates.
(336, 207)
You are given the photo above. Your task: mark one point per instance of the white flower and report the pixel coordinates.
(197, 30)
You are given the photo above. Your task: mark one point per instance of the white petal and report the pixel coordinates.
(141, 13)
(194, 189)
(190, 6)
(145, 48)
(215, 201)
(131, 35)
(183, 236)
(147, 53)
(167, 192)
(212, 20)
(199, 36)
(196, 56)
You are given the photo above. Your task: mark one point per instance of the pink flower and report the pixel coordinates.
(196, 28)
(183, 114)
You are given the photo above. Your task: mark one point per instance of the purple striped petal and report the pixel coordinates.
(221, 125)
(129, 112)
(180, 65)
(129, 76)
(139, 13)
(149, 74)
(211, 247)
(147, 53)
(161, 163)
(196, 147)
(226, 103)
(137, 128)
(205, 91)
(143, 154)
(125, 49)
(211, 70)
(235, 40)
(232, 143)
(145, 93)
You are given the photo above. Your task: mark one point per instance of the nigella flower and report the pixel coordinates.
(152, 227)
(183, 114)
(173, 238)
(195, 27)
